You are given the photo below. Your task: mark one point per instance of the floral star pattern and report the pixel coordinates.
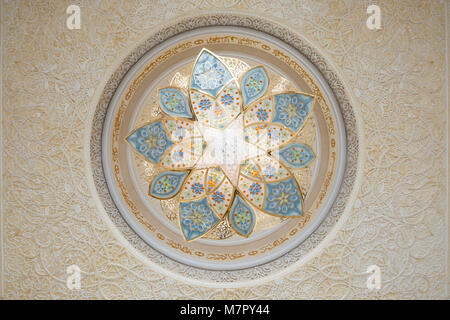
(177, 143)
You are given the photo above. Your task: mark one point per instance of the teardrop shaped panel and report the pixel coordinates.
(254, 84)
(174, 103)
(241, 217)
(167, 184)
(296, 155)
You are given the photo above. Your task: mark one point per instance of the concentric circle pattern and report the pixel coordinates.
(160, 84)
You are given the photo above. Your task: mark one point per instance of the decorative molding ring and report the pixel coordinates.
(352, 149)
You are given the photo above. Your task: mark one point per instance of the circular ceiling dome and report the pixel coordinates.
(223, 148)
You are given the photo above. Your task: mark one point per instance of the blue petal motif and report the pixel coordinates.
(241, 217)
(284, 199)
(254, 84)
(174, 103)
(196, 218)
(167, 184)
(296, 155)
(292, 109)
(210, 75)
(151, 141)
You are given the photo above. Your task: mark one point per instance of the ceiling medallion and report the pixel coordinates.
(223, 149)
(227, 148)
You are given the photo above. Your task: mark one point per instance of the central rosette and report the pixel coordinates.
(226, 150)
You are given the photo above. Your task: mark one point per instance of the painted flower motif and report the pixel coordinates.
(267, 123)
(175, 103)
(292, 109)
(166, 184)
(227, 99)
(196, 218)
(283, 198)
(197, 188)
(255, 173)
(255, 188)
(210, 74)
(151, 141)
(254, 84)
(218, 197)
(262, 114)
(212, 184)
(297, 155)
(261, 128)
(242, 217)
(205, 104)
